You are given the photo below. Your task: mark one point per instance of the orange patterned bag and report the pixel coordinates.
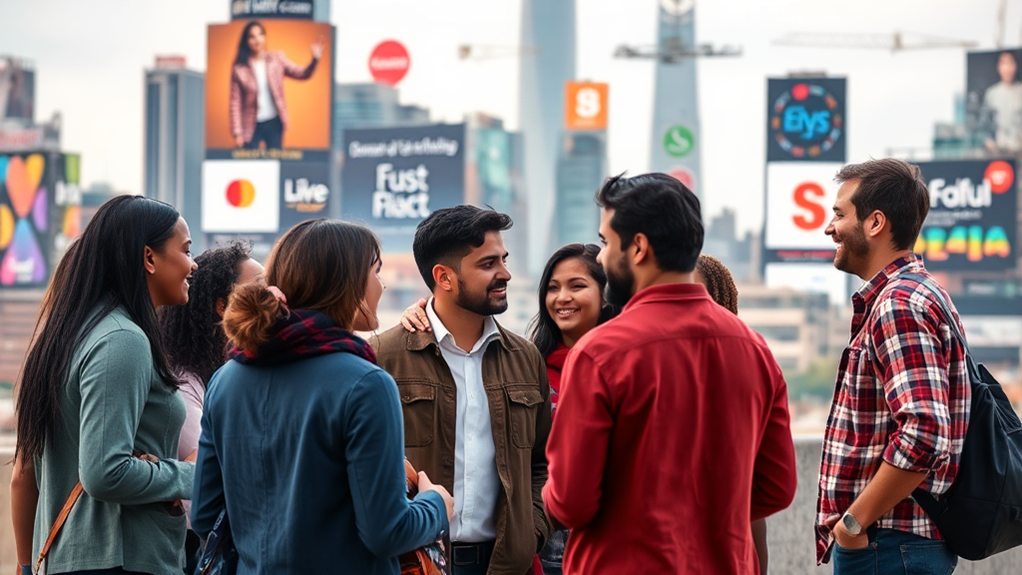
(430, 559)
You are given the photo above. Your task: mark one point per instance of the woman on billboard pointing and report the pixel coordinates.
(258, 112)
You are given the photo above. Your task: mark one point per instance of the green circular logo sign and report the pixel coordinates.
(679, 141)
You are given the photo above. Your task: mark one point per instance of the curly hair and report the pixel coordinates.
(192, 333)
(718, 281)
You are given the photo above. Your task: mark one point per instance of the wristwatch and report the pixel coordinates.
(851, 524)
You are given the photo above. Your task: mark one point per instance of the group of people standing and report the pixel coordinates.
(641, 428)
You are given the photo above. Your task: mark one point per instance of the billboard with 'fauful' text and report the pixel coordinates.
(972, 223)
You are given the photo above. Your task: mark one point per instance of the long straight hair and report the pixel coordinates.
(100, 272)
(244, 52)
(543, 329)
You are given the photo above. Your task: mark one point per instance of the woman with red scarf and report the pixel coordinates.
(302, 442)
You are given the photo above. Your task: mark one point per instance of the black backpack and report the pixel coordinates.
(981, 514)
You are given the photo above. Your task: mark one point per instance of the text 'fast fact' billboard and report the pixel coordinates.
(973, 220)
(393, 178)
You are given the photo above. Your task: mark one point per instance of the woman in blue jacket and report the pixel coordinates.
(302, 438)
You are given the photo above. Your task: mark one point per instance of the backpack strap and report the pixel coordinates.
(950, 318)
(58, 523)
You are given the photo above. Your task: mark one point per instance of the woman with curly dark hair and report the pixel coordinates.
(195, 342)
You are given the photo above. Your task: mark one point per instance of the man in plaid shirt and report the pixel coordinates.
(901, 403)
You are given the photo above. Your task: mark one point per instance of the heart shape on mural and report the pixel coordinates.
(23, 177)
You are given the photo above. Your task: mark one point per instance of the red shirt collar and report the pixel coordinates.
(668, 292)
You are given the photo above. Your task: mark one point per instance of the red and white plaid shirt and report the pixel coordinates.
(902, 397)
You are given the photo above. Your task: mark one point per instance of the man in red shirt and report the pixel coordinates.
(901, 403)
(672, 431)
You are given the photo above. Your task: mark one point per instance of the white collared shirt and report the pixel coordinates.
(476, 483)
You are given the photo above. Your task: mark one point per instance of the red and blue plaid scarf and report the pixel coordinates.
(304, 333)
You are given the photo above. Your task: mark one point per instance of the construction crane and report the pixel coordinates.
(491, 51)
(673, 49)
(895, 42)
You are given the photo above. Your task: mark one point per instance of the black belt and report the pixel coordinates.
(471, 553)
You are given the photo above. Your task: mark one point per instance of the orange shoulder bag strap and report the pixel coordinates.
(58, 524)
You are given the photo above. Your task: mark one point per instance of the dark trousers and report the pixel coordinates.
(193, 546)
(471, 558)
(893, 552)
(115, 571)
(270, 132)
(552, 555)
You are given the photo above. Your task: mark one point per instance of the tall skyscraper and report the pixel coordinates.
(581, 167)
(174, 126)
(371, 105)
(493, 177)
(675, 138)
(547, 63)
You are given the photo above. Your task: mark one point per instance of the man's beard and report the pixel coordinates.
(854, 251)
(482, 304)
(620, 283)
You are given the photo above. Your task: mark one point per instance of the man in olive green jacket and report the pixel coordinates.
(475, 397)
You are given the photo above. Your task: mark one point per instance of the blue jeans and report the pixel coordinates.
(893, 552)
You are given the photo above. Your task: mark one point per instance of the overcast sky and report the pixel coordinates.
(91, 69)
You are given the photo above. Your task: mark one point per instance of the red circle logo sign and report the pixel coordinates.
(684, 176)
(1000, 175)
(389, 62)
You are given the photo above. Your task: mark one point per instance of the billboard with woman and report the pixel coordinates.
(268, 88)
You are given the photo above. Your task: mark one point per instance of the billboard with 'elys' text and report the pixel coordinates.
(393, 178)
(972, 223)
(806, 119)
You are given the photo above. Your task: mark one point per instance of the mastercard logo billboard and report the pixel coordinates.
(240, 193)
(241, 196)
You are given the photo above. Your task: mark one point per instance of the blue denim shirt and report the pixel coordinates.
(308, 457)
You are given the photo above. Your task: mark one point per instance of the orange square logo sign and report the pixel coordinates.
(585, 106)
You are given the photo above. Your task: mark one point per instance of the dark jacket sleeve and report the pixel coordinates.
(387, 522)
(208, 492)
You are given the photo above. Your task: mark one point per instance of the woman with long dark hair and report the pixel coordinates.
(196, 343)
(258, 112)
(97, 390)
(302, 440)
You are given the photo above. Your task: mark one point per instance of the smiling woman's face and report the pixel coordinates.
(573, 299)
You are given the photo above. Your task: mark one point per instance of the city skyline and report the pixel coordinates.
(94, 73)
